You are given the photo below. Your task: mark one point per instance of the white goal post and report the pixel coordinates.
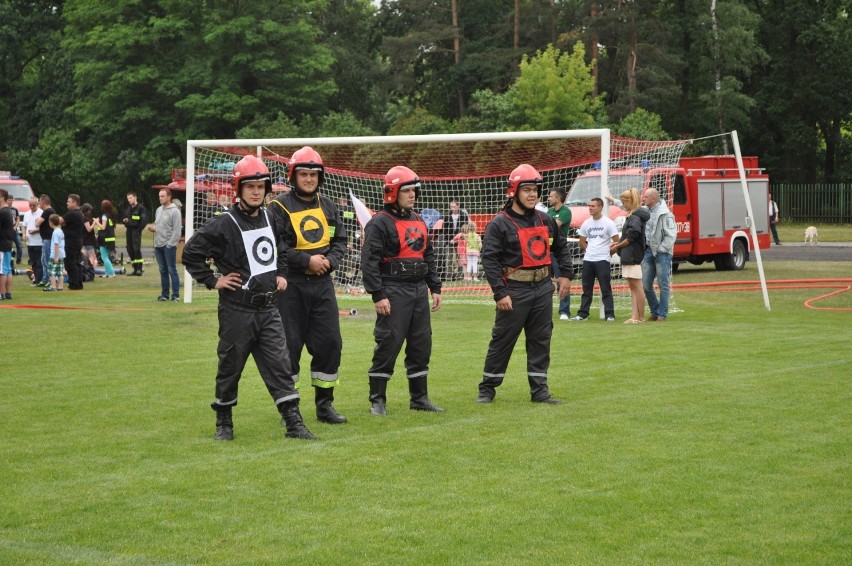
(469, 170)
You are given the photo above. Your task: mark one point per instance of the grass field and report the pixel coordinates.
(827, 232)
(723, 436)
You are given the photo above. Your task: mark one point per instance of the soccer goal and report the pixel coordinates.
(464, 178)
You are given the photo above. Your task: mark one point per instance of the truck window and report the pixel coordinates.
(589, 186)
(679, 190)
(658, 181)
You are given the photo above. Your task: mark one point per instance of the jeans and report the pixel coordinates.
(599, 270)
(109, 271)
(167, 260)
(657, 267)
(774, 232)
(45, 260)
(564, 304)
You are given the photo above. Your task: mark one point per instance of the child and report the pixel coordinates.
(57, 254)
(474, 246)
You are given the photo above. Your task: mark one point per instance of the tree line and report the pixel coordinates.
(98, 97)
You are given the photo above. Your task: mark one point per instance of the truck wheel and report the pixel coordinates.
(675, 267)
(721, 263)
(737, 259)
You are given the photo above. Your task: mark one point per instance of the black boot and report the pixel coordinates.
(325, 409)
(378, 396)
(224, 424)
(539, 392)
(291, 418)
(488, 389)
(420, 397)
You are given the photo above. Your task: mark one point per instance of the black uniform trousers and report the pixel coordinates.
(601, 271)
(244, 331)
(73, 257)
(311, 318)
(134, 246)
(34, 254)
(532, 312)
(409, 321)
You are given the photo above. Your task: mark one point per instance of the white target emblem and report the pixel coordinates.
(263, 251)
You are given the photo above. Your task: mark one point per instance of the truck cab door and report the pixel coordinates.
(682, 210)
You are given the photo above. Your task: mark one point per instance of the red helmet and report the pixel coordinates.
(397, 178)
(523, 175)
(251, 168)
(305, 158)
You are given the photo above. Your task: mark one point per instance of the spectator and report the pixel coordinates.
(561, 214)
(253, 262)
(315, 237)
(34, 243)
(16, 216)
(166, 229)
(135, 219)
(773, 220)
(90, 236)
(45, 230)
(660, 234)
(106, 237)
(516, 254)
(348, 270)
(207, 210)
(597, 233)
(454, 222)
(57, 254)
(631, 250)
(7, 242)
(399, 269)
(72, 226)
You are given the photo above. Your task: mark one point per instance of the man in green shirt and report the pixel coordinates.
(562, 215)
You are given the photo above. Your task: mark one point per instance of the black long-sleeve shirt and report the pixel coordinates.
(381, 240)
(501, 247)
(298, 259)
(222, 240)
(137, 217)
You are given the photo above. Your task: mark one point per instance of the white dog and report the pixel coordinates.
(811, 235)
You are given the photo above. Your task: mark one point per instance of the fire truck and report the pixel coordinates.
(18, 189)
(704, 194)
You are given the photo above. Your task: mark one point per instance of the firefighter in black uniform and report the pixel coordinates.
(516, 260)
(243, 244)
(316, 243)
(135, 219)
(398, 265)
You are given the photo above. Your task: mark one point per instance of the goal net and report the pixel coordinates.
(463, 178)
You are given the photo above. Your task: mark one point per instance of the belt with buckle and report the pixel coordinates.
(252, 299)
(527, 275)
(405, 270)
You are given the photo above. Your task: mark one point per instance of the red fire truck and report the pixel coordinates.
(18, 189)
(704, 194)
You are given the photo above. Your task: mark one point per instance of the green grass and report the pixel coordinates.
(827, 232)
(721, 436)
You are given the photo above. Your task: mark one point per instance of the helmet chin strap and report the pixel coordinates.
(250, 210)
(299, 192)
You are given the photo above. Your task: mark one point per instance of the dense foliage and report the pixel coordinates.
(100, 96)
